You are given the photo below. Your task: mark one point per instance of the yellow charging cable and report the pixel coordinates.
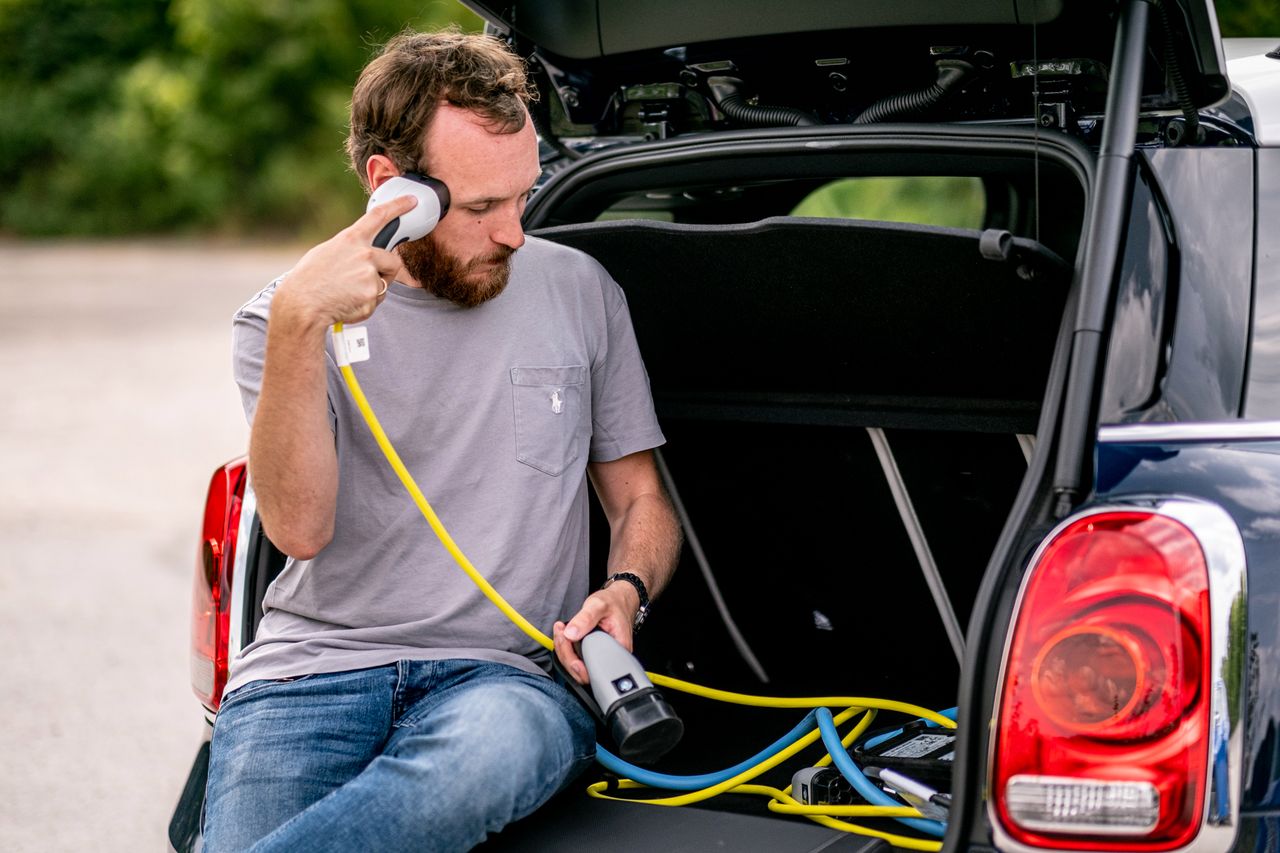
(389, 451)
(781, 801)
(745, 776)
(854, 704)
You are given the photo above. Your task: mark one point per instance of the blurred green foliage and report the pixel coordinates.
(955, 202)
(1244, 18)
(126, 116)
(129, 116)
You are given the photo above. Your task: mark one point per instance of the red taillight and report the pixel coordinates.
(1104, 715)
(211, 597)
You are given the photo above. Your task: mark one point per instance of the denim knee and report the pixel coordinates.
(264, 767)
(511, 743)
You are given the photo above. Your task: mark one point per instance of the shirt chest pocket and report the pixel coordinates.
(550, 416)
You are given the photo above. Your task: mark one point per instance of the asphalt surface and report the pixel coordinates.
(118, 404)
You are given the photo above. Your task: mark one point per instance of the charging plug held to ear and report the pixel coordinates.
(433, 203)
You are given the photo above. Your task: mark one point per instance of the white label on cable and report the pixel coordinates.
(918, 746)
(351, 345)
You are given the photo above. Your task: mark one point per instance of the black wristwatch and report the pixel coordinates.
(635, 581)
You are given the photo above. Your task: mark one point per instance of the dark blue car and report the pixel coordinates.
(963, 324)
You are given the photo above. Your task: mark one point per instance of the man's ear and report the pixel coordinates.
(378, 169)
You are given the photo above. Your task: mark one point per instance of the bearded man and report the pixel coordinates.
(385, 704)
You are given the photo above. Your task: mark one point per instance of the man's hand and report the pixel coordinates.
(340, 280)
(613, 610)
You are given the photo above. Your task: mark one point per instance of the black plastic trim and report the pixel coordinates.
(1026, 524)
(265, 562)
(1108, 217)
(969, 145)
(572, 823)
(184, 826)
(931, 413)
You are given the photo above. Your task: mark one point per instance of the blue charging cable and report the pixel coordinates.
(950, 714)
(830, 738)
(706, 780)
(864, 786)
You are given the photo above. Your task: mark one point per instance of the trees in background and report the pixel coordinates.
(143, 116)
(128, 116)
(1240, 18)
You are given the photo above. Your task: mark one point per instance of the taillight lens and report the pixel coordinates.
(211, 596)
(1104, 715)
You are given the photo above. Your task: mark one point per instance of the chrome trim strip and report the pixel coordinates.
(1223, 548)
(1225, 558)
(1180, 432)
(919, 542)
(1028, 445)
(240, 568)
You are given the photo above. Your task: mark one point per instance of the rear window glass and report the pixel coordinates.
(625, 212)
(954, 202)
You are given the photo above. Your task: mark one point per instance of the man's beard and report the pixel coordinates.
(468, 284)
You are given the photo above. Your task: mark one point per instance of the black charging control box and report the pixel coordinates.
(919, 751)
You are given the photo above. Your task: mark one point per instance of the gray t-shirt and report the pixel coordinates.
(496, 411)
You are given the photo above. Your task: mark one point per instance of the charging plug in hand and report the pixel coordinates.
(433, 203)
(643, 725)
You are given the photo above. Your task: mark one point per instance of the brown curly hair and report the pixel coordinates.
(398, 93)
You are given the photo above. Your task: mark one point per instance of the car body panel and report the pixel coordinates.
(1210, 198)
(1183, 276)
(1257, 78)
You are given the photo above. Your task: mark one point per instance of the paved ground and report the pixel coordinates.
(118, 404)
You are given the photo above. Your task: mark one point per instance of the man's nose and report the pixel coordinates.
(508, 231)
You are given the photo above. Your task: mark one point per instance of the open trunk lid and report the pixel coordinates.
(833, 60)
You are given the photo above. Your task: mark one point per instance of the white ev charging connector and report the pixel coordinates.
(433, 203)
(643, 725)
(351, 343)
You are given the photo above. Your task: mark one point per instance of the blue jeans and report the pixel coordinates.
(419, 755)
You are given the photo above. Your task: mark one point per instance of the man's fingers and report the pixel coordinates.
(568, 654)
(387, 263)
(368, 226)
(593, 610)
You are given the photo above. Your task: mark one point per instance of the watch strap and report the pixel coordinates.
(636, 582)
